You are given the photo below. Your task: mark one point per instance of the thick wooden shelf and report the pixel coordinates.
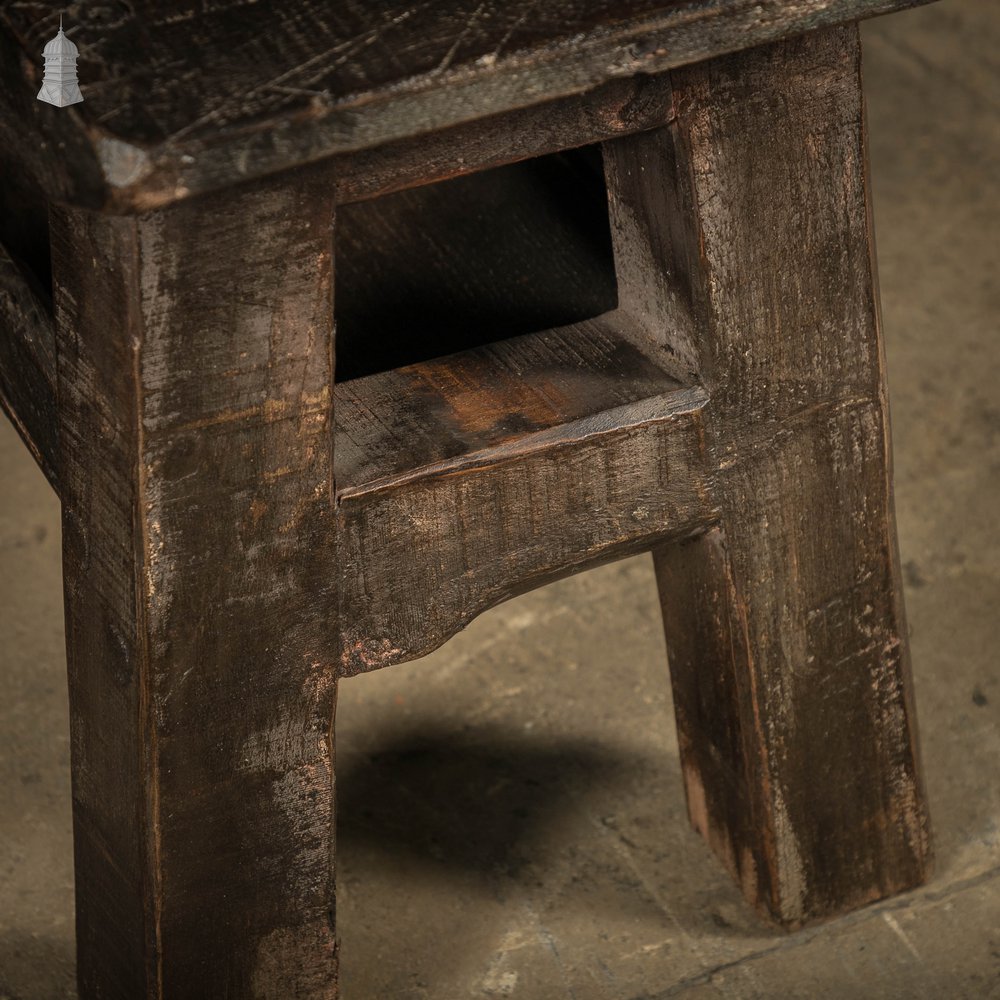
(486, 403)
(185, 98)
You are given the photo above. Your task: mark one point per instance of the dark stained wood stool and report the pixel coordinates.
(651, 324)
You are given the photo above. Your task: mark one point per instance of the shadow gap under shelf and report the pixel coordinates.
(469, 408)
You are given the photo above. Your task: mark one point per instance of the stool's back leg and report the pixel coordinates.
(195, 356)
(785, 627)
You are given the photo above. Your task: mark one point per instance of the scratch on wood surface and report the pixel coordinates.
(344, 50)
(490, 58)
(270, 411)
(462, 35)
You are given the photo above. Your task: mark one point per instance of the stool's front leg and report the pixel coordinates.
(195, 370)
(785, 628)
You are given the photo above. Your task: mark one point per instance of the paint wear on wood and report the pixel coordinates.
(279, 85)
(241, 529)
(198, 532)
(785, 625)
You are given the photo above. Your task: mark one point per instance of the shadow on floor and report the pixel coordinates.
(503, 810)
(36, 966)
(472, 802)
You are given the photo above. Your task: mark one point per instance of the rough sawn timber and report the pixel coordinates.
(785, 626)
(219, 581)
(194, 381)
(422, 555)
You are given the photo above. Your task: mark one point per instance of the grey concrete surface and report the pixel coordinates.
(512, 819)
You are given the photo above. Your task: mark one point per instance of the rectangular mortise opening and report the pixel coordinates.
(454, 265)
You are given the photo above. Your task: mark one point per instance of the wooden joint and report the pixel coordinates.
(424, 551)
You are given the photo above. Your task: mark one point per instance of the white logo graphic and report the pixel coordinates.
(59, 85)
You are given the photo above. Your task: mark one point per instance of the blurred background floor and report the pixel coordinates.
(512, 815)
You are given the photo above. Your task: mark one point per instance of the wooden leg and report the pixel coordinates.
(785, 626)
(791, 690)
(195, 357)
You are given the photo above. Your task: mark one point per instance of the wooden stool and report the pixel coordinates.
(241, 529)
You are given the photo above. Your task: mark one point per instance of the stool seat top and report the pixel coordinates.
(183, 97)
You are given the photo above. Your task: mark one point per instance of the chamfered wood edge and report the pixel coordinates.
(682, 401)
(204, 851)
(28, 365)
(111, 173)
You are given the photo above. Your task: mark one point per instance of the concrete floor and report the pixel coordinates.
(512, 819)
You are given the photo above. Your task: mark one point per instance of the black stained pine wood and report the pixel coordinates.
(462, 409)
(240, 530)
(784, 622)
(194, 381)
(440, 464)
(182, 98)
(618, 107)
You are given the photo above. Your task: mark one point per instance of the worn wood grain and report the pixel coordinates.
(785, 626)
(439, 413)
(466, 478)
(28, 364)
(182, 99)
(618, 107)
(698, 373)
(421, 555)
(197, 514)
